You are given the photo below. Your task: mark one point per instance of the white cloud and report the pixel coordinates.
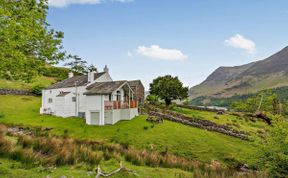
(239, 41)
(63, 3)
(156, 52)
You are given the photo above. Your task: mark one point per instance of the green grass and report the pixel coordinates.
(10, 168)
(235, 122)
(42, 81)
(181, 140)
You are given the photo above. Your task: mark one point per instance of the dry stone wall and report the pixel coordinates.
(199, 123)
(15, 92)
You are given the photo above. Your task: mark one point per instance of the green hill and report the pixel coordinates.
(269, 73)
(189, 142)
(40, 81)
(180, 140)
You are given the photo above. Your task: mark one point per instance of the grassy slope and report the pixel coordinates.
(42, 81)
(10, 168)
(234, 121)
(179, 139)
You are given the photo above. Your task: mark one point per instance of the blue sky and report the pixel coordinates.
(143, 39)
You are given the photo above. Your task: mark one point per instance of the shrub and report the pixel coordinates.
(125, 145)
(145, 127)
(37, 89)
(5, 146)
(3, 130)
(273, 156)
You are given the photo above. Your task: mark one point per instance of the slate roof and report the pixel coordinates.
(63, 94)
(82, 80)
(133, 83)
(104, 87)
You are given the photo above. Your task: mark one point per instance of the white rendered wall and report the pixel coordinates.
(94, 103)
(63, 106)
(104, 78)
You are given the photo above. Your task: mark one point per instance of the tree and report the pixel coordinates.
(27, 43)
(77, 65)
(273, 156)
(168, 88)
(152, 99)
(266, 101)
(91, 68)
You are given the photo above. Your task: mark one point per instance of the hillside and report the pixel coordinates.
(20, 85)
(129, 132)
(177, 139)
(271, 72)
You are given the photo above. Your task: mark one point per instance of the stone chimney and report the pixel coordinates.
(106, 69)
(91, 76)
(70, 74)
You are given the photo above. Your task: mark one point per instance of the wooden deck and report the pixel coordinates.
(109, 105)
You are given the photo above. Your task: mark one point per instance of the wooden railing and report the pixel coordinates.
(109, 105)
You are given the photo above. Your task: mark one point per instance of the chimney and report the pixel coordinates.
(70, 74)
(91, 76)
(106, 69)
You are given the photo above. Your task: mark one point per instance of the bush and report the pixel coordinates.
(152, 99)
(37, 90)
(273, 156)
(5, 146)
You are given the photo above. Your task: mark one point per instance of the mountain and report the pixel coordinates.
(271, 72)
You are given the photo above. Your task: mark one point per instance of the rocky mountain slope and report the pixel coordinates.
(271, 72)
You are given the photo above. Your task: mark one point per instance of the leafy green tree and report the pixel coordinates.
(168, 88)
(266, 101)
(91, 68)
(273, 156)
(27, 43)
(152, 99)
(77, 65)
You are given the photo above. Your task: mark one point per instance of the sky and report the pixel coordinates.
(144, 39)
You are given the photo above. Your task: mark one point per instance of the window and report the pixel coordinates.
(118, 96)
(50, 100)
(50, 91)
(110, 97)
(73, 99)
(81, 115)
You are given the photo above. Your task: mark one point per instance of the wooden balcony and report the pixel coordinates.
(109, 105)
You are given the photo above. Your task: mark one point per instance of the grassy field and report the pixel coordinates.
(42, 81)
(235, 122)
(181, 140)
(10, 168)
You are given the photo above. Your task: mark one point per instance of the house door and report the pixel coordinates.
(95, 118)
(108, 117)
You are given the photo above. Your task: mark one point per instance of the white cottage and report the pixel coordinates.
(95, 97)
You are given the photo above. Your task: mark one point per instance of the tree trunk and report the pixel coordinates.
(167, 102)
